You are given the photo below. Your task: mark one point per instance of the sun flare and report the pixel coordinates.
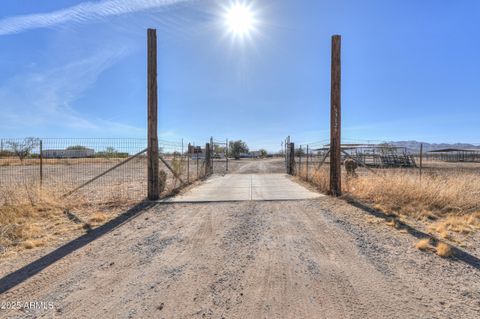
(240, 19)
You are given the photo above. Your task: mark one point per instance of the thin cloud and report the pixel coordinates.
(44, 98)
(81, 13)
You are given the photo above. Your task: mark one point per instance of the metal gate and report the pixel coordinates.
(219, 156)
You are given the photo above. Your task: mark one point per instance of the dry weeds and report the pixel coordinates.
(449, 201)
(13, 161)
(444, 250)
(98, 218)
(423, 244)
(33, 216)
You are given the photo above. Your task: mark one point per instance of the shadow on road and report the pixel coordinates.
(13, 279)
(459, 254)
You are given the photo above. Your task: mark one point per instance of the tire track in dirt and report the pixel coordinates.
(290, 276)
(360, 285)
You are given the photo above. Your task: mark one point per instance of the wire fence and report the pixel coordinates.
(110, 168)
(371, 157)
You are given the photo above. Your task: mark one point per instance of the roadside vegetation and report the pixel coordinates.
(448, 202)
(34, 216)
(236, 148)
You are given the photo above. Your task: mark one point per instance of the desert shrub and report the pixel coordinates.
(449, 199)
(403, 192)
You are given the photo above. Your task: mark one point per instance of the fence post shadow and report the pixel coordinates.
(459, 254)
(17, 277)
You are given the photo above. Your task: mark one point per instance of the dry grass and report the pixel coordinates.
(435, 196)
(444, 250)
(450, 201)
(29, 244)
(423, 244)
(32, 217)
(98, 218)
(22, 211)
(464, 224)
(14, 161)
(319, 178)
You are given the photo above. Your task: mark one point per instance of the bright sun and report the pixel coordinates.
(240, 20)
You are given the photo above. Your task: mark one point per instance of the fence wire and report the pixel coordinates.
(63, 164)
(312, 160)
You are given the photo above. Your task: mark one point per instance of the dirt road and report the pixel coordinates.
(317, 258)
(257, 166)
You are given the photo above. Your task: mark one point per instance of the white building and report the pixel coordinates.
(87, 152)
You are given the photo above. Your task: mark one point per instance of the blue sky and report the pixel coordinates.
(78, 69)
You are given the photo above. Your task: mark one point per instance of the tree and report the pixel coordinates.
(217, 149)
(24, 148)
(110, 152)
(236, 148)
(299, 152)
(263, 153)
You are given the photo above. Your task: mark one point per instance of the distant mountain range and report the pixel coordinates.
(415, 145)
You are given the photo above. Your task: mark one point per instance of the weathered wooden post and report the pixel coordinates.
(41, 162)
(207, 159)
(152, 152)
(335, 119)
(291, 159)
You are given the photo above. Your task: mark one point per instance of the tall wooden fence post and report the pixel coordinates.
(207, 159)
(152, 153)
(335, 119)
(291, 159)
